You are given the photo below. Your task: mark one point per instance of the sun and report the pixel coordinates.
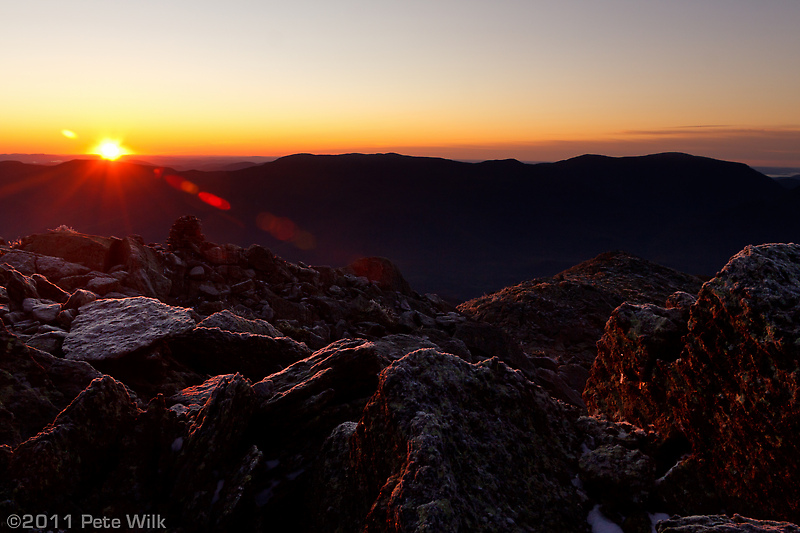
(110, 150)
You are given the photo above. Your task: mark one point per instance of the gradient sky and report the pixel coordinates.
(535, 80)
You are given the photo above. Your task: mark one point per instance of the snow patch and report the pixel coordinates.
(601, 524)
(656, 518)
(263, 497)
(220, 484)
(293, 475)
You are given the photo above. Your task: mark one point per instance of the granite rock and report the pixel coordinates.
(109, 329)
(726, 380)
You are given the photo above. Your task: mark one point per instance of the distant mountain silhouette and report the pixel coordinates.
(459, 229)
(790, 182)
(208, 163)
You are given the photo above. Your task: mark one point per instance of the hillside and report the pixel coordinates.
(458, 229)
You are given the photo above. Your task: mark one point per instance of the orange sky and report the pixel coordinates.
(534, 80)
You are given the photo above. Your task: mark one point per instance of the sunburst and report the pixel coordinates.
(110, 150)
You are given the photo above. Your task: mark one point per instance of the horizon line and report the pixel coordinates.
(132, 158)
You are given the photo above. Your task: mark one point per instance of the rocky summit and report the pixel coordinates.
(210, 387)
(558, 320)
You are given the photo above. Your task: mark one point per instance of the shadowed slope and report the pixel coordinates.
(456, 228)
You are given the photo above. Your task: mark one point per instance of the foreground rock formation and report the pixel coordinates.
(222, 388)
(719, 377)
(558, 320)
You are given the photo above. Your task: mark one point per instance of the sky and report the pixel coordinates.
(537, 80)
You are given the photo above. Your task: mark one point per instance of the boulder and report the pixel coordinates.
(74, 451)
(274, 269)
(381, 271)
(145, 267)
(427, 454)
(87, 250)
(18, 286)
(110, 329)
(49, 290)
(35, 387)
(197, 395)
(228, 254)
(564, 316)
(213, 468)
(214, 351)
(227, 321)
(299, 407)
(302, 404)
(23, 262)
(393, 347)
(186, 234)
(723, 524)
(630, 378)
(79, 298)
(197, 273)
(729, 387)
(615, 473)
(45, 312)
(48, 341)
(102, 285)
(53, 268)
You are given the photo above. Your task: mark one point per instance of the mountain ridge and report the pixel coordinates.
(455, 228)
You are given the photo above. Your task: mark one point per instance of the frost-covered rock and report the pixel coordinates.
(109, 329)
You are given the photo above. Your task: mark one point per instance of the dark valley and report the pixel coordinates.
(457, 229)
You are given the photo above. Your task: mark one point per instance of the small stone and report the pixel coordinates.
(102, 285)
(209, 290)
(29, 303)
(197, 273)
(46, 312)
(79, 298)
(49, 342)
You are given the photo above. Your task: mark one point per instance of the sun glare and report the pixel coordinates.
(110, 150)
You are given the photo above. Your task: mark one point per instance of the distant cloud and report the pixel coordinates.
(714, 130)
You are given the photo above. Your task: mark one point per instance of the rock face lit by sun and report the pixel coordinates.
(110, 150)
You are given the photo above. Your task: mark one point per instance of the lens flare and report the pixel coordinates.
(214, 201)
(184, 185)
(181, 184)
(285, 230)
(69, 134)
